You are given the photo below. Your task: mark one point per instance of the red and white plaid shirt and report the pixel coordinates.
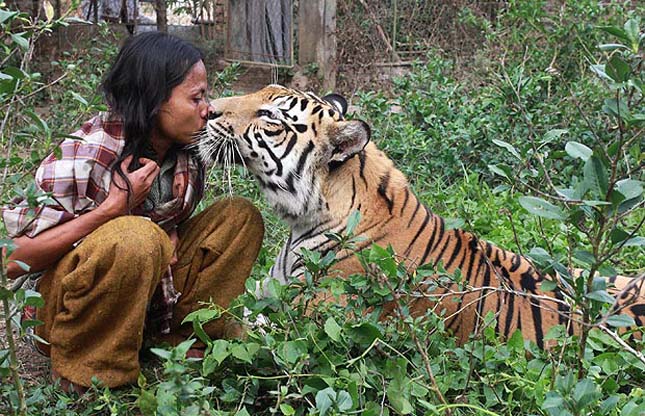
(79, 181)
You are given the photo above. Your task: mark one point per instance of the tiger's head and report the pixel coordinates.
(289, 140)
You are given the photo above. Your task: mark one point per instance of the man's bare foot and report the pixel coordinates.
(66, 385)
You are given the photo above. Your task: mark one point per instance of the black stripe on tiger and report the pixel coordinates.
(382, 191)
(456, 250)
(419, 231)
(405, 200)
(303, 158)
(290, 145)
(430, 248)
(278, 163)
(414, 214)
(443, 250)
(361, 158)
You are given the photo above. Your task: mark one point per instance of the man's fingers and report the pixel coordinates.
(125, 163)
(149, 168)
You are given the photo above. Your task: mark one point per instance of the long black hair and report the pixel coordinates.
(146, 70)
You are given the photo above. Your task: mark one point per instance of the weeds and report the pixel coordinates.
(540, 152)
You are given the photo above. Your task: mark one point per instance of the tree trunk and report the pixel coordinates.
(162, 19)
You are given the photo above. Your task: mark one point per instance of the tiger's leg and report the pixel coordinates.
(96, 299)
(216, 252)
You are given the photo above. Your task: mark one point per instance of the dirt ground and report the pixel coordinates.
(34, 367)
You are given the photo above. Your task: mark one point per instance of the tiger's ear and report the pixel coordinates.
(347, 139)
(337, 101)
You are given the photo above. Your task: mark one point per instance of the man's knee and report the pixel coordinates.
(242, 212)
(131, 237)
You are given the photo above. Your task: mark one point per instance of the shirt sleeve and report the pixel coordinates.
(76, 182)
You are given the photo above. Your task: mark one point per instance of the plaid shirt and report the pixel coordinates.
(80, 181)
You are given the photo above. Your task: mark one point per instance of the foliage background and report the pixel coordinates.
(529, 76)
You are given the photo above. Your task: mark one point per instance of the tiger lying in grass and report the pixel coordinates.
(315, 169)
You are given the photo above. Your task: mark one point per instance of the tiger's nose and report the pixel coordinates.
(212, 115)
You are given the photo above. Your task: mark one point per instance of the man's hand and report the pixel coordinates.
(140, 181)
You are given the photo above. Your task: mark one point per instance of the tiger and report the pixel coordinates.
(315, 168)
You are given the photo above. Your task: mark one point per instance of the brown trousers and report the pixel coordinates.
(97, 295)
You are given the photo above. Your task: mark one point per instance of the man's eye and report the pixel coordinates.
(265, 113)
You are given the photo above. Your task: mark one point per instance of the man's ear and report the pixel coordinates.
(347, 139)
(337, 101)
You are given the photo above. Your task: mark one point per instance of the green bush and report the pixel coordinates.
(482, 143)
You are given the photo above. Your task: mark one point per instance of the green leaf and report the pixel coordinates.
(516, 341)
(617, 69)
(630, 188)
(541, 256)
(200, 332)
(617, 235)
(160, 352)
(15, 72)
(600, 296)
(33, 298)
(584, 256)
(183, 347)
(219, 350)
(287, 410)
(620, 321)
(637, 241)
(578, 150)
(384, 259)
(398, 397)
(616, 108)
(501, 170)
(78, 98)
(618, 32)
(49, 10)
(364, 333)
(292, 351)
(632, 31)
(202, 315)
(243, 353)
(5, 293)
(24, 266)
(6, 15)
(242, 412)
(353, 220)
(608, 47)
(600, 70)
(508, 147)
(592, 203)
(555, 332)
(548, 286)
(554, 134)
(344, 401)
(595, 176)
(607, 270)
(585, 392)
(609, 404)
(20, 40)
(324, 400)
(541, 208)
(40, 123)
(332, 329)
(147, 402)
